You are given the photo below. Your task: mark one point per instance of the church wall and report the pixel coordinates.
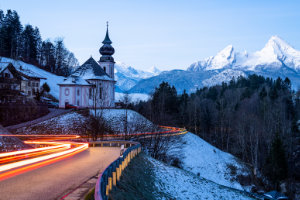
(106, 88)
(73, 97)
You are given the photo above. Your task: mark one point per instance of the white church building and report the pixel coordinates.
(92, 84)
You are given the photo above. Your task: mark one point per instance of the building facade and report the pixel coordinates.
(18, 79)
(92, 84)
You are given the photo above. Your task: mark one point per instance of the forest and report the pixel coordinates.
(253, 118)
(25, 43)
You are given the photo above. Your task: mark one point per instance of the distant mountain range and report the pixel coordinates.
(277, 58)
(127, 77)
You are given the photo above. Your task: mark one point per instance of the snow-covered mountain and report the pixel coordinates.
(127, 77)
(276, 58)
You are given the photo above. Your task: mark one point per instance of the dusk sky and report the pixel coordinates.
(167, 34)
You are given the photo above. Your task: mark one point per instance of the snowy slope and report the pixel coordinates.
(69, 123)
(52, 79)
(116, 119)
(224, 76)
(174, 183)
(201, 158)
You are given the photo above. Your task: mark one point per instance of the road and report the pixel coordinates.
(55, 180)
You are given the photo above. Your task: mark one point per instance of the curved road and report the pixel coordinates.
(55, 180)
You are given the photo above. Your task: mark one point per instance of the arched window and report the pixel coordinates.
(67, 91)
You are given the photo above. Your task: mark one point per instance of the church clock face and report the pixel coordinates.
(67, 91)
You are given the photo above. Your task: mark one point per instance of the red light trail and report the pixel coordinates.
(17, 162)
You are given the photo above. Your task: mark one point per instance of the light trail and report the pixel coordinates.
(39, 159)
(14, 153)
(17, 171)
(34, 154)
(17, 162)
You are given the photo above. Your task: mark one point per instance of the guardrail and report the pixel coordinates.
(111, 175)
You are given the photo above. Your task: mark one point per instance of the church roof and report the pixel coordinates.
(74, 80)
(91, 70)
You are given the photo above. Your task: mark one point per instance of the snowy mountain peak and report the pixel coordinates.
(277, 47)
(276, 55)
(225, 58)
(154, 70)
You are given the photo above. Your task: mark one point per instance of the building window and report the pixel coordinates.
(104, 68)
(90, 93)
(78, 92)
(29, 93)
(67, 91)
(6, 75)
(100, 92)
(28, 83)
(77, 102)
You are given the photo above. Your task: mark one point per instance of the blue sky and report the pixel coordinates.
(167, 34)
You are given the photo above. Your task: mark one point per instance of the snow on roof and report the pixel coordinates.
(20, 66)
(29, 73)
(74, 80)
(92, 70)
(3, 65)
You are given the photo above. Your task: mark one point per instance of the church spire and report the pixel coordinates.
(106, 50)
(106, 39)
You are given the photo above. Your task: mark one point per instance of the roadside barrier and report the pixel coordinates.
(112, 174)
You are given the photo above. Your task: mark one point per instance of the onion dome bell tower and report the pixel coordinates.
(106, 60)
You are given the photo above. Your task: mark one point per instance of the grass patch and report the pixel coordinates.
(90, 195)
(137, 181)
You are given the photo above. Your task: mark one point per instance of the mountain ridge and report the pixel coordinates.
(276, 59)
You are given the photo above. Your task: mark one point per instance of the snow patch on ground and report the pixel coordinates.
(175, 183)
(116, 119)
(70, 123)
(201, 158)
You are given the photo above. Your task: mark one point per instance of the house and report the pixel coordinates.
(19, 79)
(92, 84)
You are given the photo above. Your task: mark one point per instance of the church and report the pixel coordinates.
(91, 84)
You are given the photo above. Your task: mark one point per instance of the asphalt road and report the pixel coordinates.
(55, 180)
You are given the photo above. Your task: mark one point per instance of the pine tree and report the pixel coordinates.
(276, 166)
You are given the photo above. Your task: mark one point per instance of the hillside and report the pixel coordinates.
(147, 178)
(175, 183)
(204, 160)
(74, 122)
